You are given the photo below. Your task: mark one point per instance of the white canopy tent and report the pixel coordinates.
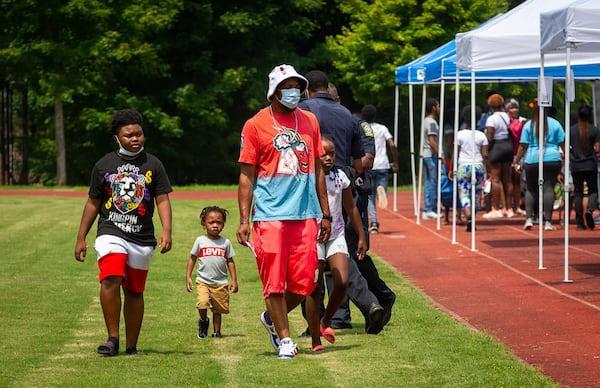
(440, 67)
(512, 42)
(574, 31)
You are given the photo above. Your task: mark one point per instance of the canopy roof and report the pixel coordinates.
(440, 64)
(512, 41)
(576, 24)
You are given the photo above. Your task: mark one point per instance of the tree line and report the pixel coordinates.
(198, 69)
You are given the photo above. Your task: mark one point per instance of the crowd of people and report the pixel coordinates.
(497, 164)
(304, 190)
(312, 175)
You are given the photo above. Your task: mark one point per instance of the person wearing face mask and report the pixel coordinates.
(282, 187)
(125, 188)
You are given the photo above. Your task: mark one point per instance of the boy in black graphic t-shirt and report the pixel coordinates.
(125, 187)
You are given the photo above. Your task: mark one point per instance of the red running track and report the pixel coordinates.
(499, 289)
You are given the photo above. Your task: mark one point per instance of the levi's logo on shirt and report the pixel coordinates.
(212, 251)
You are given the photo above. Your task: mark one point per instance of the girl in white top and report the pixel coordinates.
(500, 158)
(472, 151)
(334, 251)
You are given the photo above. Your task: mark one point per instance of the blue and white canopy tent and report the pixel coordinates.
(439, 67)
(498, 60)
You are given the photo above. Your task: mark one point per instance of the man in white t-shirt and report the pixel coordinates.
(431, 156)
(381, 165)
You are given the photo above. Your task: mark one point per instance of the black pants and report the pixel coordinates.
(591, 179)
(358, 293)
(376, 287)
(550, 173)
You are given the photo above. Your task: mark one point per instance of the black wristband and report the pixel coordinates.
(328, 218)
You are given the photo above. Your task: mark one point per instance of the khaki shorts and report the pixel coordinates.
(215, 298)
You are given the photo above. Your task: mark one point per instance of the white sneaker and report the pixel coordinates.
(430, 215)
(493, 214)
(528, 224)
(267, 322)
(548, 226)
(382, 201)
(287, 349)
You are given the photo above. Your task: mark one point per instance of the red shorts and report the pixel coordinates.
(286, 255)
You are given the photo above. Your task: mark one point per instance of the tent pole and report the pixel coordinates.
(594, 102)
(411, 119)
(454, 153)
(567, 182)
(441, 155)
(540, 129)
(423, 102)
(395, 176)
(473, 178)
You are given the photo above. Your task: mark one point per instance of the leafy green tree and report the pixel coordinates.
(78, 52)
(385, 34)
(221, 54)
(197, 69)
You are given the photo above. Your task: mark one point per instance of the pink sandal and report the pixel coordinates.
(328, 334)
(319, 348)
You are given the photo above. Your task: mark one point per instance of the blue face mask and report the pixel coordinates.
(290, 98)
(123, 151)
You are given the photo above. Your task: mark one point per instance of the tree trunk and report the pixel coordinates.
(61, 160)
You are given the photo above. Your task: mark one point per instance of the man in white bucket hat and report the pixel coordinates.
(280, 169)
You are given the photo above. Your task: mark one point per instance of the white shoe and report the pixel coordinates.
(548, 226)
(430, 216)
(287, 349)
(528, 224)
(382, 201)
(493, 214)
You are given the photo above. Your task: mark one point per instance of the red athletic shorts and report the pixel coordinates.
(286, 255)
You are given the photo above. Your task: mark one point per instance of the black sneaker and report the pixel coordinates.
(374, 320)
(589, 220)
(203, 328)
(387, 309)
(217, 334)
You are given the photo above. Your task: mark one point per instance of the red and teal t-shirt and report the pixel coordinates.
(283, 147)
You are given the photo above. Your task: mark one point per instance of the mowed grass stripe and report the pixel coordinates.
(52, 321)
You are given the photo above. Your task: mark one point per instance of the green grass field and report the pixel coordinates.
(51, 322)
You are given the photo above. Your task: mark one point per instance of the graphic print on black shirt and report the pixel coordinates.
(127, 189)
